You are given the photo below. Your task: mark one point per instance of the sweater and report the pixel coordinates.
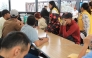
(71, 30)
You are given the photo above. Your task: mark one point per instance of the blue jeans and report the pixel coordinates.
(30, 56)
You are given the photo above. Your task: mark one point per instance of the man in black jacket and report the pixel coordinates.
(44, 12)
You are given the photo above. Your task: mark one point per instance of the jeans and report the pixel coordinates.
(30, 56)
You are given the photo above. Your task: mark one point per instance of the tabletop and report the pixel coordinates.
(58, 47)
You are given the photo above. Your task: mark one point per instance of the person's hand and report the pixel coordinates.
(45, 38)
(37, 27)
(87, 40)
(64, 23)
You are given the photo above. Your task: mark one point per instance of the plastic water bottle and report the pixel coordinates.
(25, 18)
(90, 45)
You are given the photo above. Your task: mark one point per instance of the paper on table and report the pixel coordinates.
(88, 51)
(73, 55)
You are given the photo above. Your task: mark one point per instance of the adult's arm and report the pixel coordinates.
(70, 31)
(86, 44)
(41, 41)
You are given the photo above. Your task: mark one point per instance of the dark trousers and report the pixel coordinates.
(70, 38)
(30, 56)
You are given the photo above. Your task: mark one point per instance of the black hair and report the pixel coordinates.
(14, 17)
(45, 6)
(19, 18)
(31, 20)
(14, 39)
(85, 6)
(67, 15)
(53, 5)
(5, 11)
(90, 4)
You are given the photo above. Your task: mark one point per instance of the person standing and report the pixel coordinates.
(44, 12)
(85, 22)
(75, 14)
(54, 24)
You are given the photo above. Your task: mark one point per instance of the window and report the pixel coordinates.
(67, 6)
(23, 5)
(4, 4)
(42, 3)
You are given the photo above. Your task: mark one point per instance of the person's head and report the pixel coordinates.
(6, 14)
(15, 45)
(75, 8)
(90, 5)
(45, 7)
(68, 17)
(37, 16)
(85, 6)
(31, 20)
(52, 5)
(14, 13)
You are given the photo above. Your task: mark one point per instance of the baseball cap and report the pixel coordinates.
(14, 13)
(67, 15)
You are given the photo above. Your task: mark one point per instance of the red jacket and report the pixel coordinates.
(71, 30)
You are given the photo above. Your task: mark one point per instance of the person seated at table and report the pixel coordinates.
(69, 29)
(14, 45)
(5, 16)
(41, 21)
(87, 42)
(13, 24)
(31, 32)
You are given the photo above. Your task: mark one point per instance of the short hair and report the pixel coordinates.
(13, 39)
(31, 20)
(5, 11)
(45, 6)
(37, 15)
(67, 15)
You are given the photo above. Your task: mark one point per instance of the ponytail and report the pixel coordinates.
(90, 4)
(89, 11)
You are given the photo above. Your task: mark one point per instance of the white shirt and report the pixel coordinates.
(42, 23)
(2, 20)
(75, 13)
